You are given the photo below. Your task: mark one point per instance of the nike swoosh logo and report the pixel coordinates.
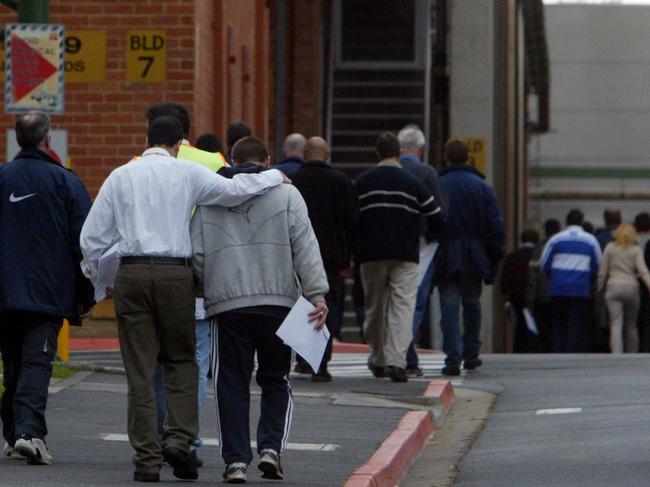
(16, 199)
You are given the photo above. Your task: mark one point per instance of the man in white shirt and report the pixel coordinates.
(146, 206)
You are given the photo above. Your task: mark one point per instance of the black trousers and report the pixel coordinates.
(235, 339)
(28, 346)
(335, 301)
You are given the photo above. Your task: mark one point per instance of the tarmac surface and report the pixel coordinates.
(336, 428)
(561, 421)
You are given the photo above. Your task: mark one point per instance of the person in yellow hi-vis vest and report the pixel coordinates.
(213, 161)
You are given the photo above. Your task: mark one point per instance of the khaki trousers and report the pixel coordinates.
(390, 288)
(623, 302)
(155, 313)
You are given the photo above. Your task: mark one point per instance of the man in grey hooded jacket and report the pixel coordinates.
(252, 262)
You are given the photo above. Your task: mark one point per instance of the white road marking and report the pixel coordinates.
(215, 442)
(558, 411)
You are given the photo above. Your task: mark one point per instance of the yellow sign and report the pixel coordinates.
(477, 149)
(85, 56)
(146, 56)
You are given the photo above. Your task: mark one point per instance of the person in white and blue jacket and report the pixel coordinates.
(570, 259)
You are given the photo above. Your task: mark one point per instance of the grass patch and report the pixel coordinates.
(59, 371)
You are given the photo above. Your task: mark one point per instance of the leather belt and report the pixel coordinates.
(136, 259)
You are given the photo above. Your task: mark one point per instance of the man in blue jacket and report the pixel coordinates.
(570, 260)
(470, 249)
(42, 209)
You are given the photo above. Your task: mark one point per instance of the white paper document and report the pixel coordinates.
(107, 268)
(530, 322)
(427, 253)
(297, 332)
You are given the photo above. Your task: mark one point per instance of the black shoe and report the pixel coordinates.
(183, 463)
(198, 461)
(377, 371)
(302, 368)
(415, 371)
(146, 476)
(397, 374)
(472, 363)
(451, 370)
(322, 376)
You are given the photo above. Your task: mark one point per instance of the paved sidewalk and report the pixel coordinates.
(328, 441)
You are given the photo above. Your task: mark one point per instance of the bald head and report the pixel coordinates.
(317, 149)
(294, 146)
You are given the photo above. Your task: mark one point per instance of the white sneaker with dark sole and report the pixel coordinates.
(270, 465)
(34, 450)
(10, 452)
(235, 473)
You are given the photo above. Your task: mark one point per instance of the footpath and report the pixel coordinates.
(356, 431)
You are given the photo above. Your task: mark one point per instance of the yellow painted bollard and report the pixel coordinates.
(63, 345)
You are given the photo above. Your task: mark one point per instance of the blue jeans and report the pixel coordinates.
(420, 315)
(203, 344)
(28, 346)
(452, 294)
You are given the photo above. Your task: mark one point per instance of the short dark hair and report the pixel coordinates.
(530, 235)
(612, 217)
(575, 217)
(209, 142)
(456, 151)
(588, 227)
(171, 109)
(249, 149)
(642, 222)
(387, 146)
(236, 131)
(32, 128)
(164, 130)
(551, 227)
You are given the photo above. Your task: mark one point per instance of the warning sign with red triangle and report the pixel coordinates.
(34, 68)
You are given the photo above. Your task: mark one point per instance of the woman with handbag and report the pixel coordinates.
(621, 268)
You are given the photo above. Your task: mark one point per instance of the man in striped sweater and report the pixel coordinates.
(570, 259)
(390, 204)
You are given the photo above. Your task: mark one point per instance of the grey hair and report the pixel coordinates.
(294, 142)
(411, 137)
(32, 128)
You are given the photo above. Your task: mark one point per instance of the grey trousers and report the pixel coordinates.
(623, 302)
(390, 288)
(155, 314)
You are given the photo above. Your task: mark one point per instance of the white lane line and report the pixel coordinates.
(215, 442)
(540, 412)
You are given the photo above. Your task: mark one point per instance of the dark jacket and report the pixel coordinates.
(514, 275)
(390, 204)
(290, 165)
(473, 241)
(332, 207)
(426, 173)
(42, 209)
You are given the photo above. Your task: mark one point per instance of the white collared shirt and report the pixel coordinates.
(146, 205)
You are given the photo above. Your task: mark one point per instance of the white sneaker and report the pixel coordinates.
(10, 452)
(34, 450)
(235, 473)
(270, 464)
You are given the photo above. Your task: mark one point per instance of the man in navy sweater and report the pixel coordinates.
(390, 204)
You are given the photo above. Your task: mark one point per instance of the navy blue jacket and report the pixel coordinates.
(290, 165)
(473, 241)
(42, 209)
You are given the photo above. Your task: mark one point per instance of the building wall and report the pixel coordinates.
(217, 61)
(598, 145)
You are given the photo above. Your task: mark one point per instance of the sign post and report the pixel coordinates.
(34, 68)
